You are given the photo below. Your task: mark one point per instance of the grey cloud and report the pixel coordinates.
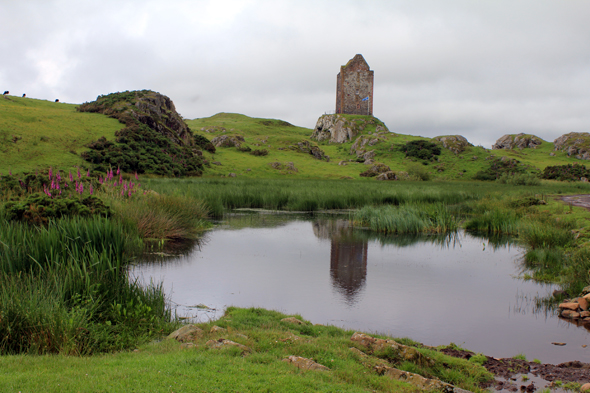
(481, 69)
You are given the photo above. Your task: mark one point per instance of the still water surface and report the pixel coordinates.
(434, 290)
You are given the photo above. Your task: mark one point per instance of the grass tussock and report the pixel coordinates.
(164, 216)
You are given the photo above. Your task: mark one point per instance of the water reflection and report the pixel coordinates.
(348, 257)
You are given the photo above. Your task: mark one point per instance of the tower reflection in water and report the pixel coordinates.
(348, 257)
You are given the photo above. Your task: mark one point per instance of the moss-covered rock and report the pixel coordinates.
(455, 143)
(340, 128)
(575, 144)
(519, 141)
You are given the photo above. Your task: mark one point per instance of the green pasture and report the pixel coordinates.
(37, 134)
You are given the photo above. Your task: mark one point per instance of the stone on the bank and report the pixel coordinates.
(403, 352)
(186, 333)
(569, 306)
(222, 342)
(583, 303)
(305, 364)
(585, 314)
(293, 320)
(570, 314)
(216, 329)
(585, 387)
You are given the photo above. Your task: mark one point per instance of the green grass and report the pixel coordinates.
(47, 134)
(166, 366)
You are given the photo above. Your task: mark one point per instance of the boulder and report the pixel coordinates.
(288, 167)
(520, 141)
(315, 151)
(305, 364)
(375, 170)
(390, 175)
(570, 314)
(585, 387)
(392, 348)
(575, 144)
(455, 143)
(186, 333)
(227, 141)
(583, 303)
(217, 329)
(293, 320)
(569, 306)
(222, 342)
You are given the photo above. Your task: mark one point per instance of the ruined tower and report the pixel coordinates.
(354, 88)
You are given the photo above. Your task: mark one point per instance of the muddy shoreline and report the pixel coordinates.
(509, 372)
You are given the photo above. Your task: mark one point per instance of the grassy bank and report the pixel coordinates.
(168, 366)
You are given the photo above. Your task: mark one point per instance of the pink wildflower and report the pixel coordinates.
(71, 177)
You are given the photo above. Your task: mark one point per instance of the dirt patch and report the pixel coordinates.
(512, 375)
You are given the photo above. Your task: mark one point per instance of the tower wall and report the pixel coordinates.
(354, 82)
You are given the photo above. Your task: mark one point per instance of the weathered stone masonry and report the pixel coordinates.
(355, 83)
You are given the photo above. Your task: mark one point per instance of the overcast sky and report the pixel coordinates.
(481, 69)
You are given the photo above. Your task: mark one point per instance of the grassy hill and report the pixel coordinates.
(37, 133)
(279, 138)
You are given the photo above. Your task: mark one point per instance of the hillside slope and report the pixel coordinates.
(347, 160)
(37, 133)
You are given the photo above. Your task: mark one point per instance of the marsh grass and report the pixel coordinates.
(407, 219)
(65, 288)
(164, 216)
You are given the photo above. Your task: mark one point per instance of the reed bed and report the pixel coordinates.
(65, 288)
(310, 195)
(409, 219)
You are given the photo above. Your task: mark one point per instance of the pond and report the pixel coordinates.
(435, 290)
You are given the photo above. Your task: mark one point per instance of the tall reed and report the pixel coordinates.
(407, 219)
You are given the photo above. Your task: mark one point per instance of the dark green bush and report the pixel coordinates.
(565, 172)
(38, 207)
(421, 149)
(499, 167)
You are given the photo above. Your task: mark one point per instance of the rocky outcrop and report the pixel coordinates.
(519, 141)
(228, 141)
(575, 144)
(576, 309)
(455, 143)
(312, 150)
(287, 167)
(375, 170)
(305, 364)
(340, 129)
(389, 175)
(394, 349)
(358, 148)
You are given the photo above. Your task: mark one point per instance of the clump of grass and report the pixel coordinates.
(539, 235)
(164, 216)
(496, 220)
(407, 219)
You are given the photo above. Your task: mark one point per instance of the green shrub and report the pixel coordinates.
(421, 149)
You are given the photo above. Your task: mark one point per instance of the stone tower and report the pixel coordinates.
(354, 88)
